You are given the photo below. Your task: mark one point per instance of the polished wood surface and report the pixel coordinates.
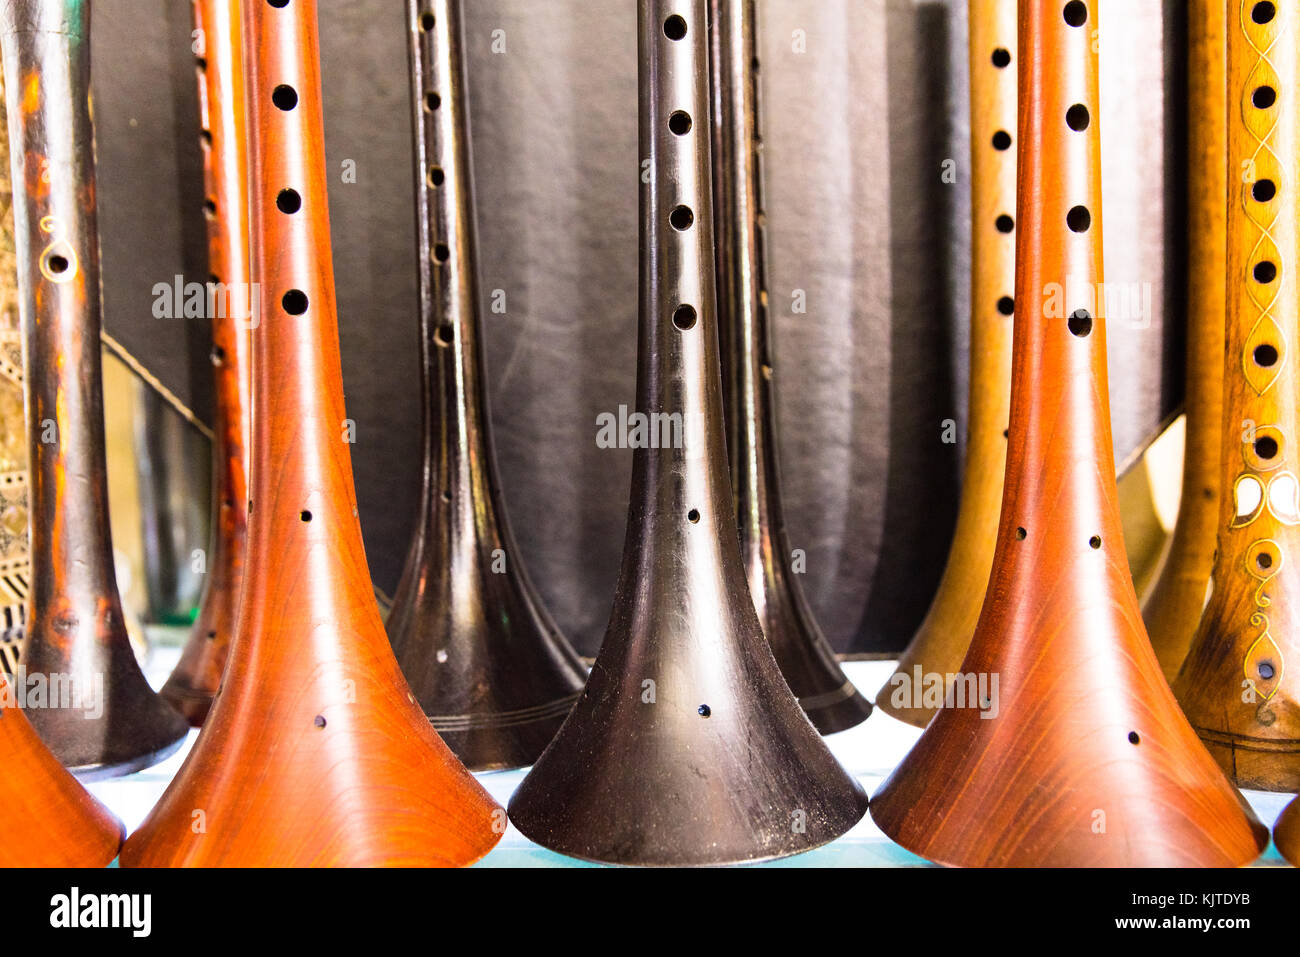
(1240, 682)
(1286, 832)
(220, 68)
(484, 659)
(54, 822)
(1172, 608)
(940, 644)
(686, 746)
(749, 374)
(1079, 756)
(315, 752)
(113, 722)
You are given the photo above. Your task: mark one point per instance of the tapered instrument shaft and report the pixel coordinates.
(112, 723)
(1173, 607)
(220, 68)
(483, 657)
(315, 752)
(830, 700)
(686, 746)
(931, 661)
(1067, 747)
(1240, 682)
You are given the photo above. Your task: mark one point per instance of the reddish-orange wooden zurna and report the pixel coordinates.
(221, 105)
(1078, 754)
(1240, 683)
(54, 821)
(315, 752)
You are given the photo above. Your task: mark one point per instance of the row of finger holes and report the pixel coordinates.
(1079, 219)
(1022, 533)
(1264, 190)
(441, 252)
(1004, 224)
(288, 201)
(681, 219)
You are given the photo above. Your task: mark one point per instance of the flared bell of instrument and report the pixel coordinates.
(1286, 832)
(82, 689)
(315, 752)
(1239, 684)
(54, 821)
(194, 681)
(484, 659)
(686, 746)
(1064, 745)
(830, 700)
(915, 691)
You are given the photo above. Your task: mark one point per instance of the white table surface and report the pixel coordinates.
(869, 751)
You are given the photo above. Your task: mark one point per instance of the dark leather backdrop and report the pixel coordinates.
(857, 129)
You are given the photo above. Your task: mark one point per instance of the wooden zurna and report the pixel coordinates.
(195, 680)
(686, 746)
(1240, 682)
(106, 719)
(829, 699)
(1173, 606)
(1067, 747)
(916, 689)
(315, 751)
(486, 662)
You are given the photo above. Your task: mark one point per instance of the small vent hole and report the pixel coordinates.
(1266, 447)
(294, 302)
(285, 97)
(288, 201)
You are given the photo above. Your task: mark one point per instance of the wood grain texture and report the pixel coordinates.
(482, 655)
(1240, 682)
(113, 722)
(1286, 832)
(1172, 608)
(315, 752)
(220, 67)
(686, 746)
(1080, 757)
(940, 644)
(54, 822)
